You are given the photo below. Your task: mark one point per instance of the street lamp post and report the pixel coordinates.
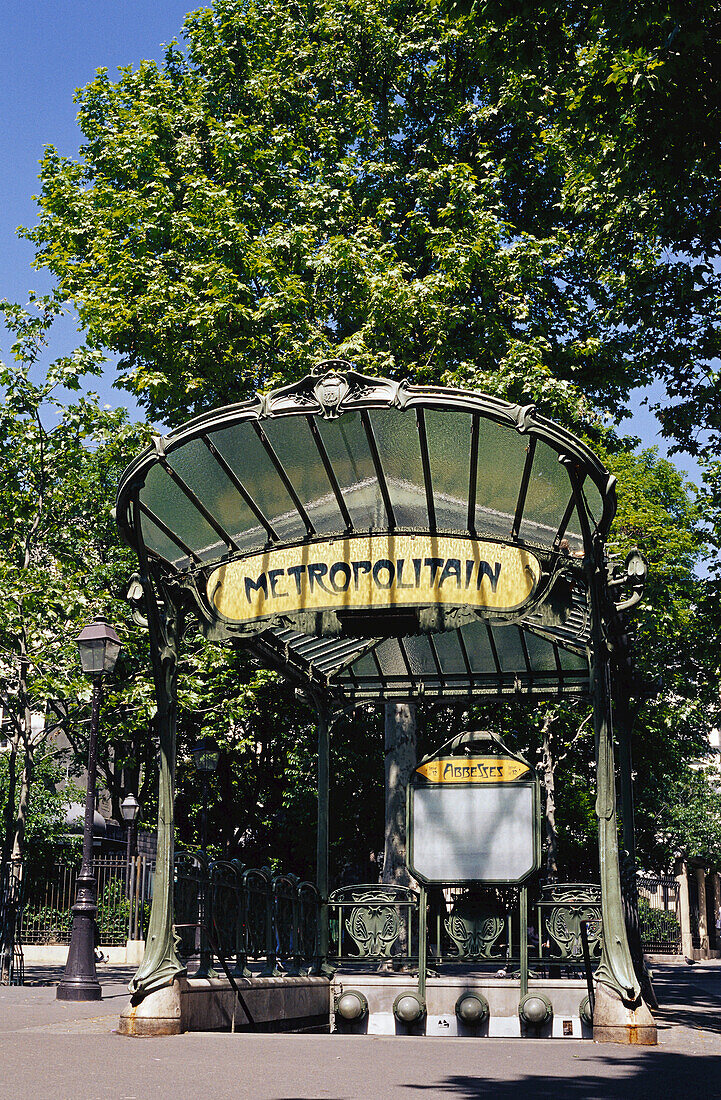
(99, 646)
(206, 761)
(130, 809)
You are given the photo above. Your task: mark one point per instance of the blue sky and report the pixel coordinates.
(49, 48)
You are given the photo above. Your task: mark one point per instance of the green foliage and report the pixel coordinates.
(363, 180)
(657, 924)
(508, 197)
(263, 798)
(60, 561)
(689, 823)
(52, 797)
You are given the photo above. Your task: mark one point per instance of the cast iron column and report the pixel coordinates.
(80, 980)
(322, 836)
(161, 965)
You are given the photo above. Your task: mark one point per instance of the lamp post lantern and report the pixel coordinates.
(130, 809)
(99, 646)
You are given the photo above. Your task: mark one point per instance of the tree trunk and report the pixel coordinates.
(18, 852)
(548, 768)
(400, 741)
(9, 810)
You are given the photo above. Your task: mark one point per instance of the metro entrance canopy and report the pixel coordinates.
(380, 539)
(377, 540)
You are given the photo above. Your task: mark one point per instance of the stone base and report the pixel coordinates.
(615, 1022)
(501, 994)
(157, 1014)
(134, 952)
(211, 1004)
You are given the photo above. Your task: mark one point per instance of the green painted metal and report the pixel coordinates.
(544, 651)
(523, 916)
(325, 718)
(294, 452)
(372, 921)
(616, 966)
(474, 931)
(562, 908)
(269, 920)
(161, 965)
(422, 942)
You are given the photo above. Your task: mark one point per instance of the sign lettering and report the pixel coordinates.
(475, 769)
(369, 571)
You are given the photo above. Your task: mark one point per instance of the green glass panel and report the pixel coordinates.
(549, 491)
(449, 653)
(347, 447)
(293, 443)
(365, 668)
(501, 459)
(169, 503)
(593, 499)
(573, 531)
(540, 653)
(249, 460)
(508, 648)
(449, 449)
(155, 540)
(420, 657)
(480, 656)
(571, 660)
(196, 465)
(391, 659)
(400, 453)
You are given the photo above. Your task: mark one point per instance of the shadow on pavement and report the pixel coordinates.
(37, 975)
(654, 1075)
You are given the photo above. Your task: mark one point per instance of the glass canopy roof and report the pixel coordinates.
(339, 454)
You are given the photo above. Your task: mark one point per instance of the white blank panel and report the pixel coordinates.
(462, 834)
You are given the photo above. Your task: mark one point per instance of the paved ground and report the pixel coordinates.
(53, 1050)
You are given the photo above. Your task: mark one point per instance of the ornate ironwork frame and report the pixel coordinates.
(595, 599)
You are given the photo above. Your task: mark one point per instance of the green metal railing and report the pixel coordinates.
(249, 919)
(374, 923)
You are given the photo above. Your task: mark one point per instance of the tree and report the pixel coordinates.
(317, 181)
(470, 197)
(59, 561)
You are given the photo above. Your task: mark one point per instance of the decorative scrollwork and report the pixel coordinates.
(374, 929)
(377, 918)
(474, 936)
(565, 906)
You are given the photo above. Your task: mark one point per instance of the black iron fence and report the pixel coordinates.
(658, 914)
(124, 895)
(243, 917)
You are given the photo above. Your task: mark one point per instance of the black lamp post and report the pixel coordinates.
(99, 647)
(130, 809)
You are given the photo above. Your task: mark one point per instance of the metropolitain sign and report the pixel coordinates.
(375, 571)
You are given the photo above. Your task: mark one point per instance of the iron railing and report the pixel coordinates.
(375, 923)
(251, 920)
(658, 914)
(124, 895)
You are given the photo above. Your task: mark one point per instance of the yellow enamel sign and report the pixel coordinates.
(473, 769)
(371, 571)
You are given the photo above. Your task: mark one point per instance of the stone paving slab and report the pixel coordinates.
(54, 1050)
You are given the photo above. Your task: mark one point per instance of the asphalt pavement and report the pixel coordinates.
(57, 1050)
